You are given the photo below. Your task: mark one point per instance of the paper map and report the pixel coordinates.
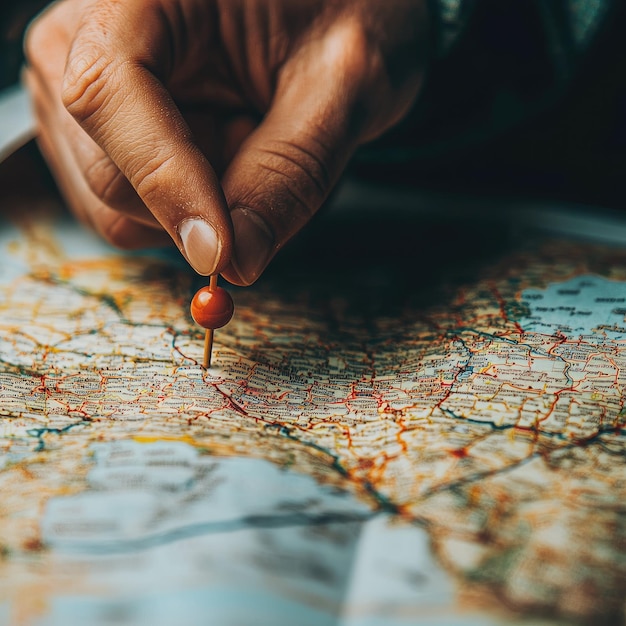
(454, 459)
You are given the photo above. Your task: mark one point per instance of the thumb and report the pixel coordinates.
(286, 168)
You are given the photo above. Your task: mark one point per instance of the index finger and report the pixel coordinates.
(111, 89)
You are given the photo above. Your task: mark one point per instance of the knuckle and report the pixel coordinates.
(353, 49)
(349, 50)
(41, 35)
(35, 41)
(48, 34)
(83, 91)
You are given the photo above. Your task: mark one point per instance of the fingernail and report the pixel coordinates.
(200, 245)
(253, 244)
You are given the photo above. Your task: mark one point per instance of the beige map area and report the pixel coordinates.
(506, 445)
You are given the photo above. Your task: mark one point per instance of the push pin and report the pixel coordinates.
(211, 307)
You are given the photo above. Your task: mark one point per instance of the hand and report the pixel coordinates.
(221, 124)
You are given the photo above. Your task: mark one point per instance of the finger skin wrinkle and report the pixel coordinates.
(291, 187)
(301, 162)
(155, 175)
(307, 210)
(84, 84)
(318, 174)
(324, 174)
(104, 178)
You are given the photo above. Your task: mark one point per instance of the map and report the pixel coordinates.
(425, 425)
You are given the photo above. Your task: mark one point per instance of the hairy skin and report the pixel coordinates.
(238, 115)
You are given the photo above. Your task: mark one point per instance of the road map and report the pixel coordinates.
(416, 428)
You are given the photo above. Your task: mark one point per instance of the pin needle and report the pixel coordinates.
(208, 333)
(211, 307)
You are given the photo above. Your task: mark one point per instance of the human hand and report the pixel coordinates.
(221, 124)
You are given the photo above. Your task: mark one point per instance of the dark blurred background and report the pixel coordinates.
(489, 122)
(506, 114)
(14, 17)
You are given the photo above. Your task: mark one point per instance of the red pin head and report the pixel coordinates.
(212, 307)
